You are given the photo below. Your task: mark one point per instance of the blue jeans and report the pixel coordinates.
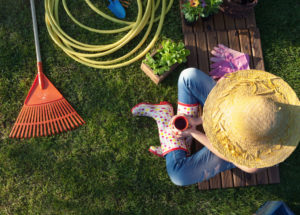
(194, 87)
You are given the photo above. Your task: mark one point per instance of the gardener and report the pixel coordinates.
(251, 120)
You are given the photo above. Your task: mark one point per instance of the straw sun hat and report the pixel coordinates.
(252, 118)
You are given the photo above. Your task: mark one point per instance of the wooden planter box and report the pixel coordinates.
(157, 78)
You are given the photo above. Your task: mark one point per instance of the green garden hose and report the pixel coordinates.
(84, 53)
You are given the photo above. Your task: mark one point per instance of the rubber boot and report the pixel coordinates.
(162, 114)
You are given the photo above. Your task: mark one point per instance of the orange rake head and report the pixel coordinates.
(45, 112)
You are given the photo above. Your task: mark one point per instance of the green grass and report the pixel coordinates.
(104, 167)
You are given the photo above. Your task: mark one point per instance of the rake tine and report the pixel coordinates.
(16, 126)
(38, 129)
(20, 132)
(27, 122)
(53, 119)
(34, 123)
(57, 118)
(44, 125)
(60, 116)
(43, 120)
(47, 126)
(49, 120)
(63, 115)
(25, 127)
(72, 117)
(31, 124)
(79, 119)
(38, 121)
(67, 113)
(75, 115)
(46, 120)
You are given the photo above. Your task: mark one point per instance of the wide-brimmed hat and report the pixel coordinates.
(252, 118)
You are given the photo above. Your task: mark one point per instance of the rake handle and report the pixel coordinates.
(37, 45)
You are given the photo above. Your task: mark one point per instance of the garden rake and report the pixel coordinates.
(45, 110)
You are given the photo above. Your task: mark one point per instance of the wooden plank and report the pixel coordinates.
(198, 27)
(204, 185)
(233, 38)
(258, 61)
(273, 173)
(219, 21)
(208, 25)
(245, 44)
(202, 52)
(227, 179)
(238, 178)
(262, 177)
(190, 44)
(250, 21)
(212, 41)
(222, 38)
(215, 182)
(229, 22)
(240, 23)
(250, 179)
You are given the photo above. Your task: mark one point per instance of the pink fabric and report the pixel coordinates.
(227, 60)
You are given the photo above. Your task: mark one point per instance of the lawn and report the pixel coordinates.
(104, 167)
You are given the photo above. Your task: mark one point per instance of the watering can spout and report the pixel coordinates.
(117, 9)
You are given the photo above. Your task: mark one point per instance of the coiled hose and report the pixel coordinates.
(84, 53)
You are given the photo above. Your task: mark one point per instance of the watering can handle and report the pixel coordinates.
(37, 45)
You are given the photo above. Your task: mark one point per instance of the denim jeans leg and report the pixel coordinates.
(194, 86)
(200, 166)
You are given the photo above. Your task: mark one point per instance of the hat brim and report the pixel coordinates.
(215, 109)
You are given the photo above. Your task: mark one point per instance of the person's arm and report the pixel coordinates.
(201, 137)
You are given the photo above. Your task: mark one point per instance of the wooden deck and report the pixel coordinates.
(241, 35)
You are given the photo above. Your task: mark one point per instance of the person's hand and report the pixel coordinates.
(193, 123)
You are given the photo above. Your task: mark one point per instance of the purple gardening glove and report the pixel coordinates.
(227, 60)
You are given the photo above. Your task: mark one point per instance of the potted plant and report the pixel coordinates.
(210, 7)
(164, 60)
(191, 10)
(238, 8)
